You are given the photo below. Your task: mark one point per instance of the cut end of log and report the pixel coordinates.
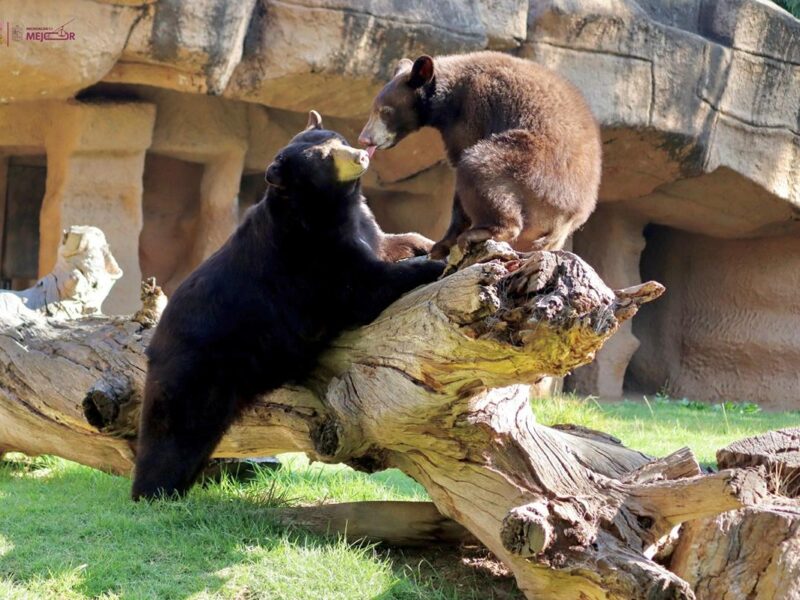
(526, 530)
(777, 451)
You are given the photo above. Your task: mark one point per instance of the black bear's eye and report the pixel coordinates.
(387, 111)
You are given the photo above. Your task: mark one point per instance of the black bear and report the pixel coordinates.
(303, 266)
(523, 141)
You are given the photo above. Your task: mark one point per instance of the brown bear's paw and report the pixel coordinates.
(441, 250)
(475, 236)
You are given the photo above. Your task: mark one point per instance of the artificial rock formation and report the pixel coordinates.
(697, 100)
(435, 386)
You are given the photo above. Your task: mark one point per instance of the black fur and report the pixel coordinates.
(301, 268)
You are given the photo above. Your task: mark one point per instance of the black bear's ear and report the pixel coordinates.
(404, 64)
(421, 71)
(273, 176)
(314, 120)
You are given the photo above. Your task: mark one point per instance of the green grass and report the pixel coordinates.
(793, 6)
(660, 425)
(67, 531)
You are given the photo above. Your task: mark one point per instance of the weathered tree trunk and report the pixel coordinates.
(434, 388)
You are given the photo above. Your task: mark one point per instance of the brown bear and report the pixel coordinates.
(522, 139)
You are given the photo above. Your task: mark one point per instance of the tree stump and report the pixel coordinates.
(437, 387)
(754, 553)
(777, 451)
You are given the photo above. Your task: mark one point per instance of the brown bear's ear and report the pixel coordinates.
(272, 176)
(314, 120)
(404, 64)
(421, 72)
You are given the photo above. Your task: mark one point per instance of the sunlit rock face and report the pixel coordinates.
(126, 101)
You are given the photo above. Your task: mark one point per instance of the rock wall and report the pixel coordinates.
(698, 101)
(728, 328)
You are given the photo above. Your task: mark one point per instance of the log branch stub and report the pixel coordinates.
(527, 530)
(104, 402)
(651, 511)
(681, 463)
(631, 298)
(154, 301)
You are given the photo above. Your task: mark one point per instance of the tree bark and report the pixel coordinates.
(750, 554)
(435, 387)
(777, 451)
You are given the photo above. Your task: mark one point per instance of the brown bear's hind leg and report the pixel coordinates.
(489, 200)
(459, 221)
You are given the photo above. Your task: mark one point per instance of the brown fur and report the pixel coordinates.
(522, 139)
(391, 247)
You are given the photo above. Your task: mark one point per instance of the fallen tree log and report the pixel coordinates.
(434, 387)
(394, 523)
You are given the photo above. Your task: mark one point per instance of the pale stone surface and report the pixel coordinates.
(218, 204)
(333, 54)
(37, 70)
(505, 22)
(703, 85)
(727, 328)
(612, 243)
(189, 46)
(171, 217)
